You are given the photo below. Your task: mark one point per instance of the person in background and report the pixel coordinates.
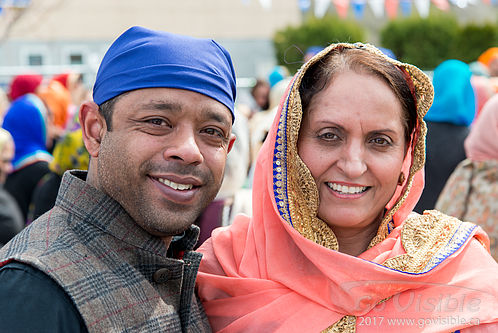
(73, 82)
(260, 123)
(115, 254)
(487, 64)
(388, 52)
(448, 122)
(27, 120)
(483, 91)
(471, 192)
(489, 59)
(277, 74)
(57, 100)
(4, 104)
(333, 244)
(69, 153)
(260, 92)
(11, 219)
(311, 52)
(23, 84)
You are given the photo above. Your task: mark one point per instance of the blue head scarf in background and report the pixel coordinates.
(144, 58)
(454, 100)
(388, 52)
(26, 121)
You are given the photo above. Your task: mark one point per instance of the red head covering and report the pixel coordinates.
(62, 78)
(24, 84)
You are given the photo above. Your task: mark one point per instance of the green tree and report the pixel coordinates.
(424, 42)
(291, 42)
(473, 40)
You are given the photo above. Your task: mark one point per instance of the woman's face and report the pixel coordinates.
(6, 156)
(352, 140)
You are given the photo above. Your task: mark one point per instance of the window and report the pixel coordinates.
(76, 59)
(35, 60)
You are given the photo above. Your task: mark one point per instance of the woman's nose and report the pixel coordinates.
(183, 146)
(352, 162)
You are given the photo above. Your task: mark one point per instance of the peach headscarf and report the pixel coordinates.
(482, 142)
(280, 270)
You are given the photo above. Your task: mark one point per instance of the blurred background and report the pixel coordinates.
(53, 36)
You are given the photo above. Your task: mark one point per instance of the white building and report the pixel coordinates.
(51, 36)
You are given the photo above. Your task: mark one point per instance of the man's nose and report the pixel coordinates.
(183, 146)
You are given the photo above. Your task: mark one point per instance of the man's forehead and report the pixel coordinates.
(175, 100)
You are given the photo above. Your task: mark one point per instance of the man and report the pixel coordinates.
(115, 253)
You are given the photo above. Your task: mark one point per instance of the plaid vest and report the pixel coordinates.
(118, 276)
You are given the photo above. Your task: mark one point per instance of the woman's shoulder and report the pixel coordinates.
(431, 238)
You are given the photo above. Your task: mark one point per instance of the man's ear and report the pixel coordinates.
(232, 141)
(93, 127)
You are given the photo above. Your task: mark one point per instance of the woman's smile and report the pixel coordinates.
(344, 189)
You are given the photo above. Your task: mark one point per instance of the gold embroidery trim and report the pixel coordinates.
(346, 324)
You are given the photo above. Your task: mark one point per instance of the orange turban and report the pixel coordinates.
(487, 56)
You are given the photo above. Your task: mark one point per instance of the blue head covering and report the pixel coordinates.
(26, 121)
(144, 58)
(388, 52)
(277, 74)
(454, 100)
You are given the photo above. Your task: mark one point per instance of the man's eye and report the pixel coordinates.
(156, 121)
(214, 131)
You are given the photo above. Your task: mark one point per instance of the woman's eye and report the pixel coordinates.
(381, 141)
(328, 136)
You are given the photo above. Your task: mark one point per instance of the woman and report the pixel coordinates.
(331, 245)
(69, 153)
(11, 221)
(26, 120)
(489, 59)
(448, 122)
(471, 193)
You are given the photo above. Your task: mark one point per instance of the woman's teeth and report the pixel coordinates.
(174, 185)
(347, 189)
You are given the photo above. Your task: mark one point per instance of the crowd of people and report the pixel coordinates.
(326, 200)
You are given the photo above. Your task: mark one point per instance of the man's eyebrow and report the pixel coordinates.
(161, 105)
(216, 116)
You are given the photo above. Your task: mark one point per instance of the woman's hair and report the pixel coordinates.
(360, 61)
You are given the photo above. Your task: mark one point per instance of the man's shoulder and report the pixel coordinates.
(28, 297)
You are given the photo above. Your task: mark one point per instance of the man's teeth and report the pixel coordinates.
(347, 189)
(174, 185)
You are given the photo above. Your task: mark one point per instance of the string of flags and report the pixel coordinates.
(380, 8)
(8, 4)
